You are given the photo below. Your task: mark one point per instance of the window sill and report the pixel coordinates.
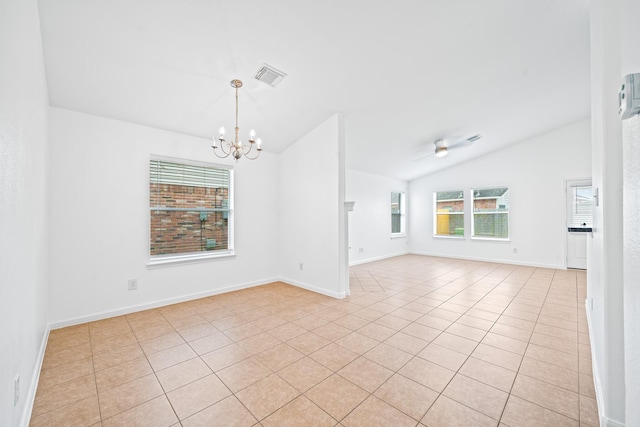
(167, 261)
(492, 239)
(437, 236)
(398, 236)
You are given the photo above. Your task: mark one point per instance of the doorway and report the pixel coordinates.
(579, 196)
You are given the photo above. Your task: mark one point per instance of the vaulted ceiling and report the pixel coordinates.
(404, 73)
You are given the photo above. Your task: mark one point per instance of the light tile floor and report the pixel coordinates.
(421, 341)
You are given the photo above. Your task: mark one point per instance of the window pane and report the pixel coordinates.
(189, 208)
(581, 207)
(178, 232)
(449, 213)
(395, 223)
(491, 225)
(395, 203)
(397, 213)
(491, 212)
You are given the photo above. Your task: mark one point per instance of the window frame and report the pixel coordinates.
(402, 213)
(473, 214)
(436, 213)
(199, 256)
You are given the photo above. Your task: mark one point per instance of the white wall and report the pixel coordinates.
(630, 63)
(311, 191)
(605, 253)
(23, 205)
(631, 244)
(99, 219)
(370, 221)
(535, 171)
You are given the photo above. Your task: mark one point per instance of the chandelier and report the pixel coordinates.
(236, 148)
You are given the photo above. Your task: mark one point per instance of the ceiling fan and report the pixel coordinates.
(443, 145)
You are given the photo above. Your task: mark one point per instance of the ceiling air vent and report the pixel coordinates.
(270, 75)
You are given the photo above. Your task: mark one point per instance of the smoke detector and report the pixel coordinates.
(270, 75)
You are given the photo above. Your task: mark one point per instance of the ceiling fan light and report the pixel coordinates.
(441, 151)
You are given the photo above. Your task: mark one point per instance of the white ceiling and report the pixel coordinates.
(402, 72)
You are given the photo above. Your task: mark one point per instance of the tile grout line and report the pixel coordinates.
(457, 372)
(153, 370)
(95, 379)
(441, 332)
(518, 373)
(525, 352)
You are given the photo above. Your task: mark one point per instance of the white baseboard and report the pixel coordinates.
(604, 420)
(35, 379)
(312, 288)
(160, 303)
(493, 260)
(377, 258)
(156, 304)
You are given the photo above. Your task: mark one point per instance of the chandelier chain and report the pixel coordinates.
(237, 128)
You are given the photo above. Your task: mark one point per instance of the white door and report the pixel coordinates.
(579, 222)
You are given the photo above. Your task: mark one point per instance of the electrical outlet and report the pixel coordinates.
(301, 266)
(132, 284)
(515, 250)
(16, 391)
(360, 250)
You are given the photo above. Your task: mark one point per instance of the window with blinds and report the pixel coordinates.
(581, 214)
(191, 208)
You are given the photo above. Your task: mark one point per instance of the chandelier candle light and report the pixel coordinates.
(236, 148)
